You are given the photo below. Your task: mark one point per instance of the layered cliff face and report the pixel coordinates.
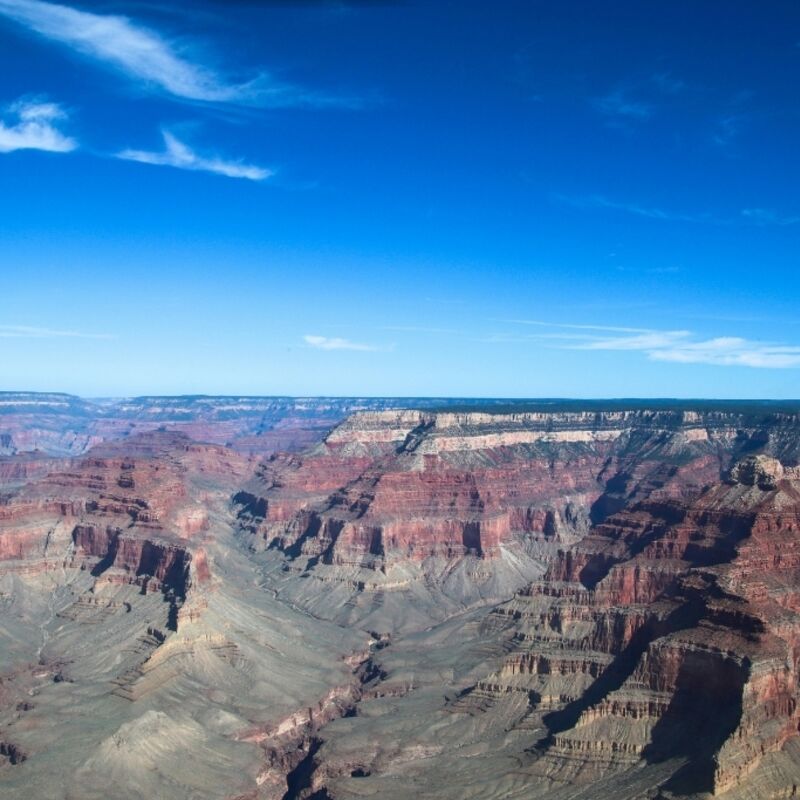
(60, 424)
(527, 604)
(657, 657)
(53, 423)
(649, 639)
(142, 489)
(124, 513)
(390, 497)
(666, 634)
(65, 425)
(139, 654)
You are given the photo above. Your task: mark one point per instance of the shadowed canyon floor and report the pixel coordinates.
(560, 601)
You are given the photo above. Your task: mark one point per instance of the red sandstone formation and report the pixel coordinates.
(129, 507)
(410, 485)
(669, 632)
(64, 425)
(662, 637)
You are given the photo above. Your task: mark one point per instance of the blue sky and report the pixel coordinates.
(516, 199)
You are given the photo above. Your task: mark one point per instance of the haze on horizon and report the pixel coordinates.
(400, 199)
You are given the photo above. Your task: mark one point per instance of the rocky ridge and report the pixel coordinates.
(449, 603)
(388, 498)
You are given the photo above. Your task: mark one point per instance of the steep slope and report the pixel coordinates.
(140, 656)
(657, 657)
(571, 604)
(433, 512)
(60, 424)
(65, 425)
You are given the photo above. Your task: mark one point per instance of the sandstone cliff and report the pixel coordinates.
(476, 603)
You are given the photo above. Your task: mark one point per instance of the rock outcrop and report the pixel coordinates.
(125, 513)
(388, 486)
(479, 603)
(138, 647)
(63, 425)
(670, 632)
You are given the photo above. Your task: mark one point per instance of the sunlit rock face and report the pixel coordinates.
(450, 603)
(667, 633)
(391, 486)
(61, 424)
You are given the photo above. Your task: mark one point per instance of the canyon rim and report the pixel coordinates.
(537, 600)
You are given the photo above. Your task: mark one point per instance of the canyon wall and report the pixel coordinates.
(498, 602)
(391, 486)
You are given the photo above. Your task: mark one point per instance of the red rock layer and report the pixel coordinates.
(671, 632)
(408, 485)
(131, 509)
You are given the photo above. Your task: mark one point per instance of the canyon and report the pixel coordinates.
(340, 598)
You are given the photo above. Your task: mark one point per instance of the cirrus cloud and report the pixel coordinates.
(730, 351)
(35, 126)
(151, 59)
(766, 216)
(336, 343)
(36, 332)
(179, 155)
(676, 346)
(618, 103)
(683, 347)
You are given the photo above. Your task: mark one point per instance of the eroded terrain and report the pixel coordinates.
(444, 603)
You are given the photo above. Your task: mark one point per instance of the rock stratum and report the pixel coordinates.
(555, 599)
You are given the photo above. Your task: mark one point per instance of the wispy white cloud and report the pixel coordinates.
(419, 329)
(766, 216)
(671, 270)
(326, 343)
(149, 58)
(686, 348)
(619, 103)
(727, 130)
(34, 125)
(638, 100)
(667, 83)
(540, 323)
(730, 351)
(752, 216)
(649, 212)
(33, 332)
(647, 341)
(677, 346)
(179, 155)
